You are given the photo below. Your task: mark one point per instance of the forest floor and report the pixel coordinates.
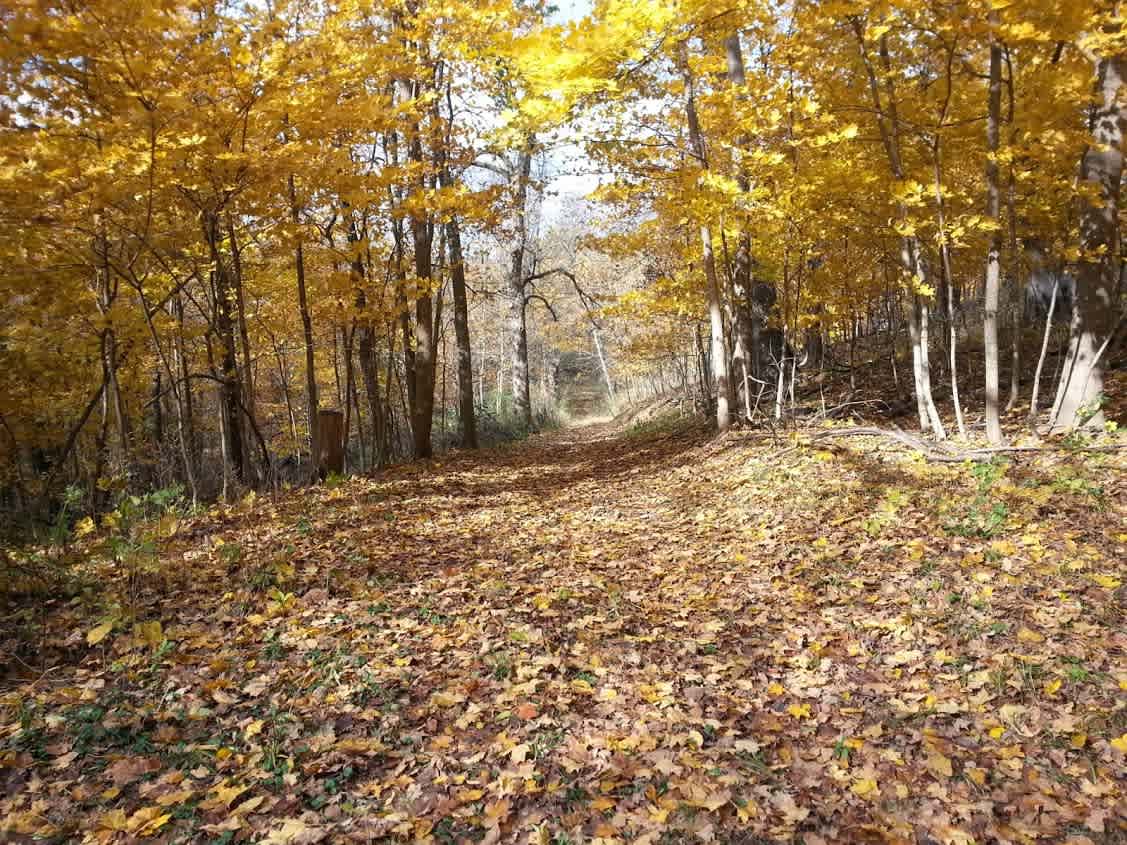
(598, 635)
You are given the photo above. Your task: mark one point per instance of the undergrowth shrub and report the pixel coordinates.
(498, 421)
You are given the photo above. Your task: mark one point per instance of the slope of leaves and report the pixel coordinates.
(601, 636)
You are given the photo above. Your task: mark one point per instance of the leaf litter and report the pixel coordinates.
(601, 636)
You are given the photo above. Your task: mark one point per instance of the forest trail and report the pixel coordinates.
(601, 635)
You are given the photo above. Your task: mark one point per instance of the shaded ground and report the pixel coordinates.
(599, 636)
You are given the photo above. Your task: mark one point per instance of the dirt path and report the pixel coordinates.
(595, 636)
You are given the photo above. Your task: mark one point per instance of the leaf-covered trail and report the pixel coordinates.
(598, 636)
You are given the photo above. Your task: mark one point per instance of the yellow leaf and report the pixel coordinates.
(114, 820)
(83, 527)
(1108, 582)
(446, 699)
(996, 732)
(96, 635)
(1029, 636)
(224, 797)
(776, 689)
(253, 729)
(249, 806)
(864, 787)
(150, 633)
(799, 711)
(1120, 742)
(1078, 740)
(292, 831)
(148, 820)
(1052, 686)
(178, 797)
(940, 765)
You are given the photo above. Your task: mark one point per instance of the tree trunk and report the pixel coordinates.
(515, 320)
(719, 351)
(993, 257)
(244, 334)
(424, 358)
(746, 347)
(1080, 393)
(466, 416)
(366, 346)
(888, 122)
(347, 338)
(949, 293)
(1041, 359)
(185, 420)
(606, 371)
(307, 334)
(229, 374)
(284, 383)
(330, 443)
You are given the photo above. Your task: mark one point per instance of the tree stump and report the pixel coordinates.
(330, 448)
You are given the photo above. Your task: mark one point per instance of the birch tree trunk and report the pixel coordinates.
(746, 348)
(910, 259)
(515, 321)
(1079, 393)
(719, 345)
(993, 257)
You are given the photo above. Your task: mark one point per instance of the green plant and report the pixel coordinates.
(984, 516)
(1071, 480)
(545, 742)
(501, 667)
(60, 531)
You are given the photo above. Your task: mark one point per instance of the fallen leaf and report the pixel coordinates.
(96, 635)
(864, 787)
(940, 765)
(294, 831)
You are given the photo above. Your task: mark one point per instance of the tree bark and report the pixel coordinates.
(993, 257)
(719, 350)
(1080, 391)
(948, 287)
(515, 320)
(307, 333)
(244, 333)
(746, 347)
(888, 123)
(466, 415)
(225, 327)
(1041, 358)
